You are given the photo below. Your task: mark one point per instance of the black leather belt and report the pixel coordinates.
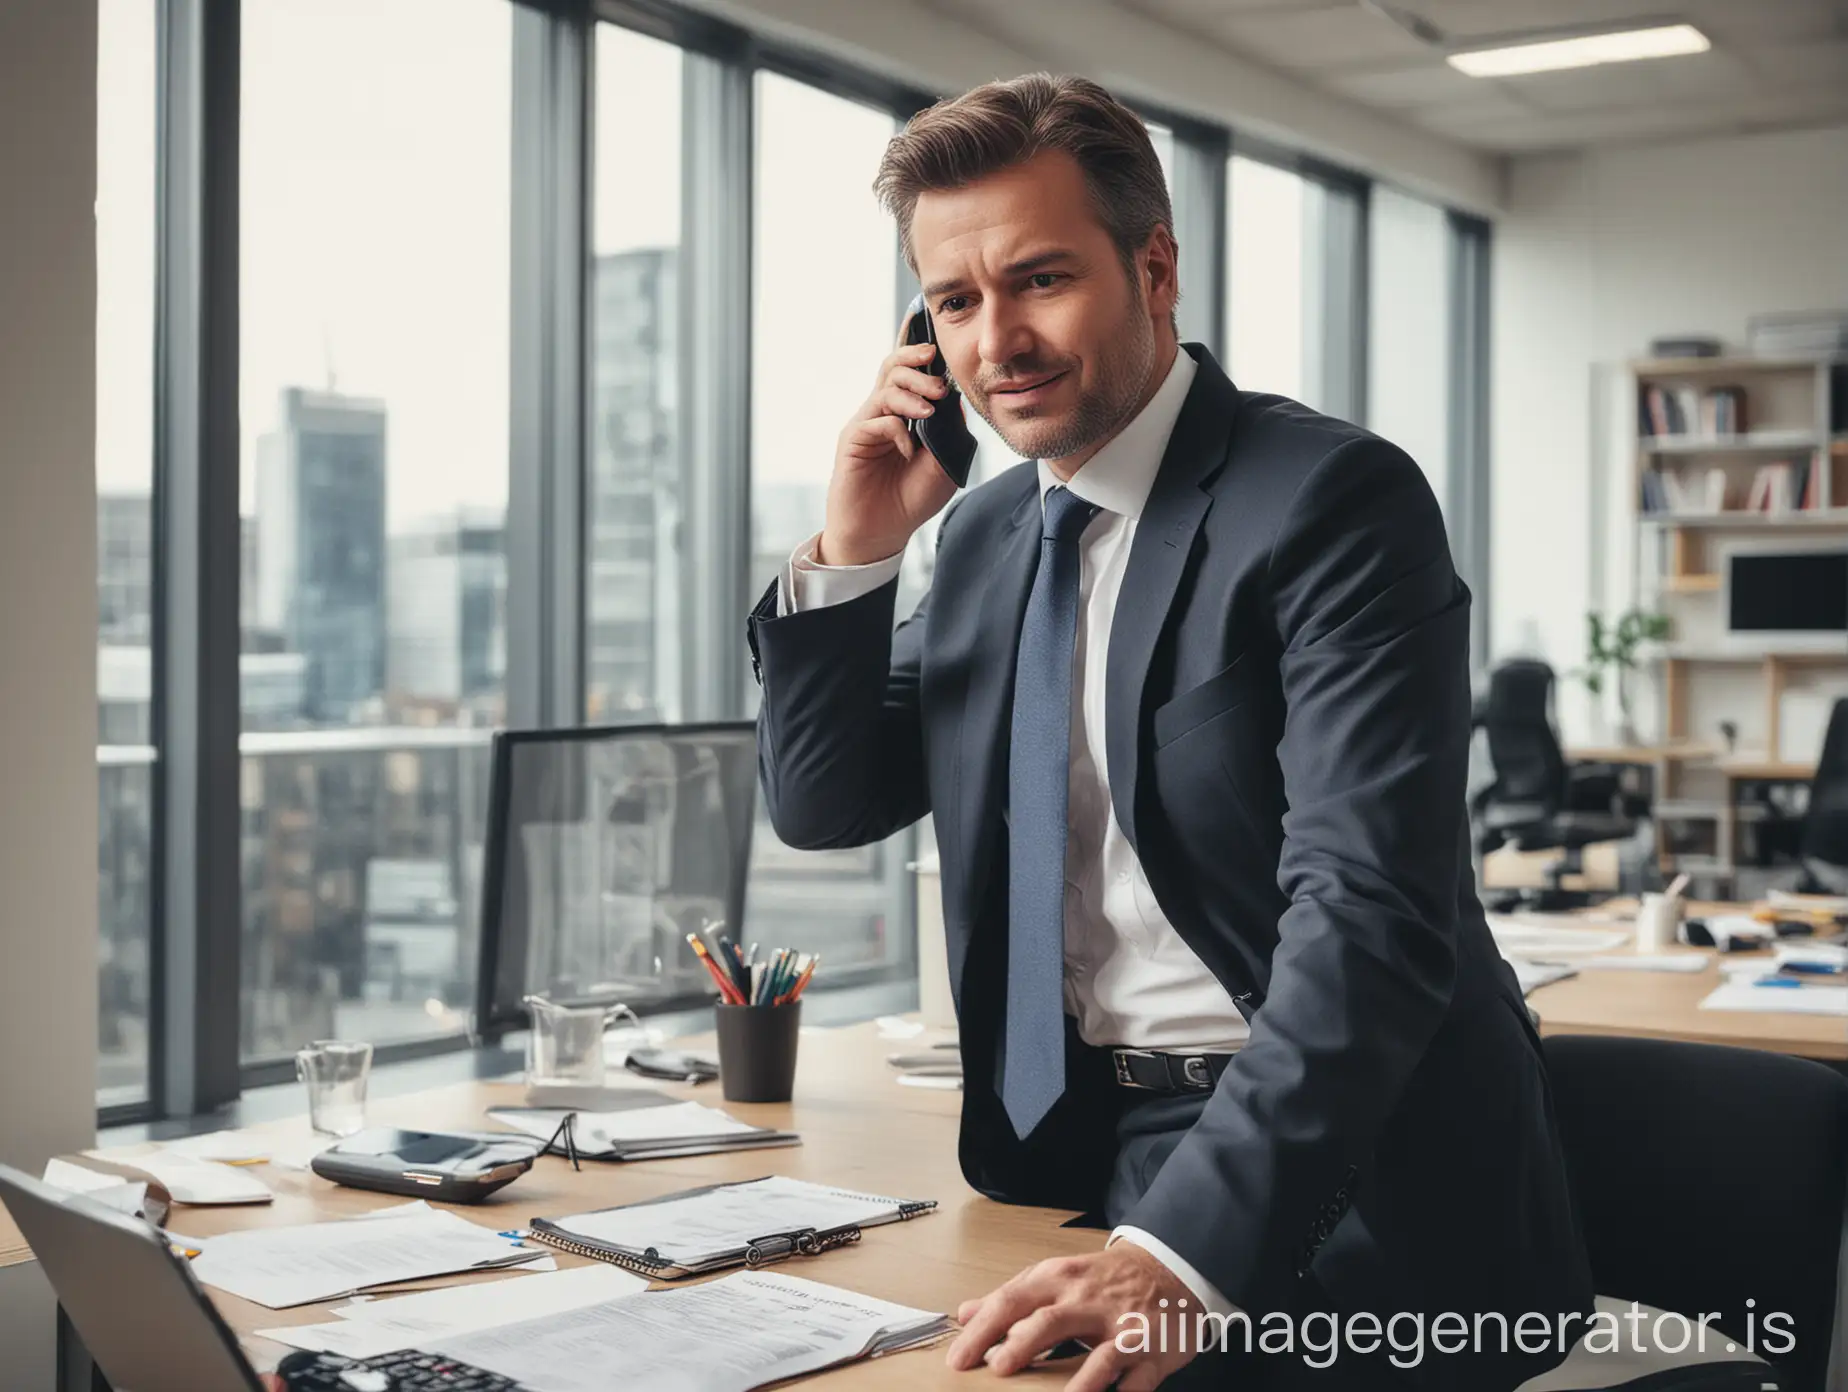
(1153, 1072)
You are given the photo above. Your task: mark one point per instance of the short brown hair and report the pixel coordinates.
(1000, 124)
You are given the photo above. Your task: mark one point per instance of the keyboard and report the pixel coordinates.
(389, 1372)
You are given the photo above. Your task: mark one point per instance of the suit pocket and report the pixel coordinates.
(1219, 693)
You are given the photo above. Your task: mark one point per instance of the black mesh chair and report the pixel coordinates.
(1711, 1180)
(1824, 845)
(1536, 801)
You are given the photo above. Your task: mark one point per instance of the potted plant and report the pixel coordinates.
(1610, 650)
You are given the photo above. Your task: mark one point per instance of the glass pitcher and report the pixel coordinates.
(565, 1048)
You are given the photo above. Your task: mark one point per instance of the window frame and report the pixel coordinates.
(195, 885)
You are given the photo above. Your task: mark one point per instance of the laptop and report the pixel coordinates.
(149, 1325)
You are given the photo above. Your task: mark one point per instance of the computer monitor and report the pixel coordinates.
(605, 848)
(137, 1306)
(1787, 593)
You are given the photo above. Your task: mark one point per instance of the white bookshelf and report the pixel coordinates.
(1702, 674)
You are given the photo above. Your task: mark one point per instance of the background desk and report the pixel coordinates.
(859, 1128)
(1666, 1005)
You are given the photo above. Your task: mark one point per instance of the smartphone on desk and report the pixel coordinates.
(945, 431)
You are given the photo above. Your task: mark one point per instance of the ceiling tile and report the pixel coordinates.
(1546, 132)
(1212, 11)
(1319, 38)
(1815, 64)
(1697, 77)
(1750, 22)
(1579, 90)
(1422, 84)
(1472, 21)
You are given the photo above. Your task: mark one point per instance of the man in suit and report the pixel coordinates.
(1188, 700)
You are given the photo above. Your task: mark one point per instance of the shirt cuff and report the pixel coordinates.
(807, 584)
(1203, 1290)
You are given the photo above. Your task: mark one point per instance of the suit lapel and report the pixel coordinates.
(987, 713)
(1165, 536)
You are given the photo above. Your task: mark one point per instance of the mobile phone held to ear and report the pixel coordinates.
(943, 432)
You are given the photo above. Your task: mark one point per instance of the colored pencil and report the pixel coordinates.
(727, 990)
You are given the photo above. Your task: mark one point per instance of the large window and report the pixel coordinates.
(375, 238)
(824, 307)
(1269, 299)
(125, 228)
(1292, 279)
(824, 314)
(536, 386)
(636, 623)
(1409, 327)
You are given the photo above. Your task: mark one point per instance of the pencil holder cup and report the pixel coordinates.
(757, 1050)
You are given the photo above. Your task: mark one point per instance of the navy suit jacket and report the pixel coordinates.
(1287, 725)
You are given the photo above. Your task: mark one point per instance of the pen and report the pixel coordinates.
(727, 991)
(1788, 983)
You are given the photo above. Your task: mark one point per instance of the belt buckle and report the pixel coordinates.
(1196, 1071)
(1120, 1058)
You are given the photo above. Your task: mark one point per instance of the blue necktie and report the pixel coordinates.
(1038, 767)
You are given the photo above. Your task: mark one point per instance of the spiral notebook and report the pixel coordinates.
(747, 1223)
(644, 1133)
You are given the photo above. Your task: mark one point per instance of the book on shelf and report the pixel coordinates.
(1676, 412)
(1779, 487)
(1671, 491)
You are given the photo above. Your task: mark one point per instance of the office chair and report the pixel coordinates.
(605, 847)
(1823, 848)
(1705, 1178)
(1536, 802)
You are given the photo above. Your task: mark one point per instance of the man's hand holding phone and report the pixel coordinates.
(886, 484)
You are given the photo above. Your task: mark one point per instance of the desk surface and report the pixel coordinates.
(1666, 1005)
(859, 1129)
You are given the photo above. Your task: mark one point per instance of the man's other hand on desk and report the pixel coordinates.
(1084, 1298)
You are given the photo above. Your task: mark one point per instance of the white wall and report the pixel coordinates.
(48, 62)
(1596, 254)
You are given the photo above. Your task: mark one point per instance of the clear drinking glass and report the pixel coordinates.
(565, 1048)
(336, 1074)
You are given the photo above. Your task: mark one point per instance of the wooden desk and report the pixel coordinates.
(1666, 1005)
(13, 1249)
(859, 1129)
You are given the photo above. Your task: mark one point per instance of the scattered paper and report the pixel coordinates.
(371, 1327)
(1811, 903)
(280, 1267)
(1540, 937)
(725, 1336)
(1827, 957)
(192, 1181)
(1742, 992)
(898, 1027)
(1646, 961)
(112, 1191)
(247, 1148)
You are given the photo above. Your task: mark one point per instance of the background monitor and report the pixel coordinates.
(605, 848)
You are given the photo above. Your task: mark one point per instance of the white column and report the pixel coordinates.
(48, 60)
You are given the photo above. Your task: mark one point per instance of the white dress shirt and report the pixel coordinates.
(1130, 979)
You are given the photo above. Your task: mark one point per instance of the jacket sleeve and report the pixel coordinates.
(840, 743)
(1373, 627)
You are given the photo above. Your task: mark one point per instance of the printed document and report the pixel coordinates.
(280, 1267)
(729, 1335)
(367, 1329)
